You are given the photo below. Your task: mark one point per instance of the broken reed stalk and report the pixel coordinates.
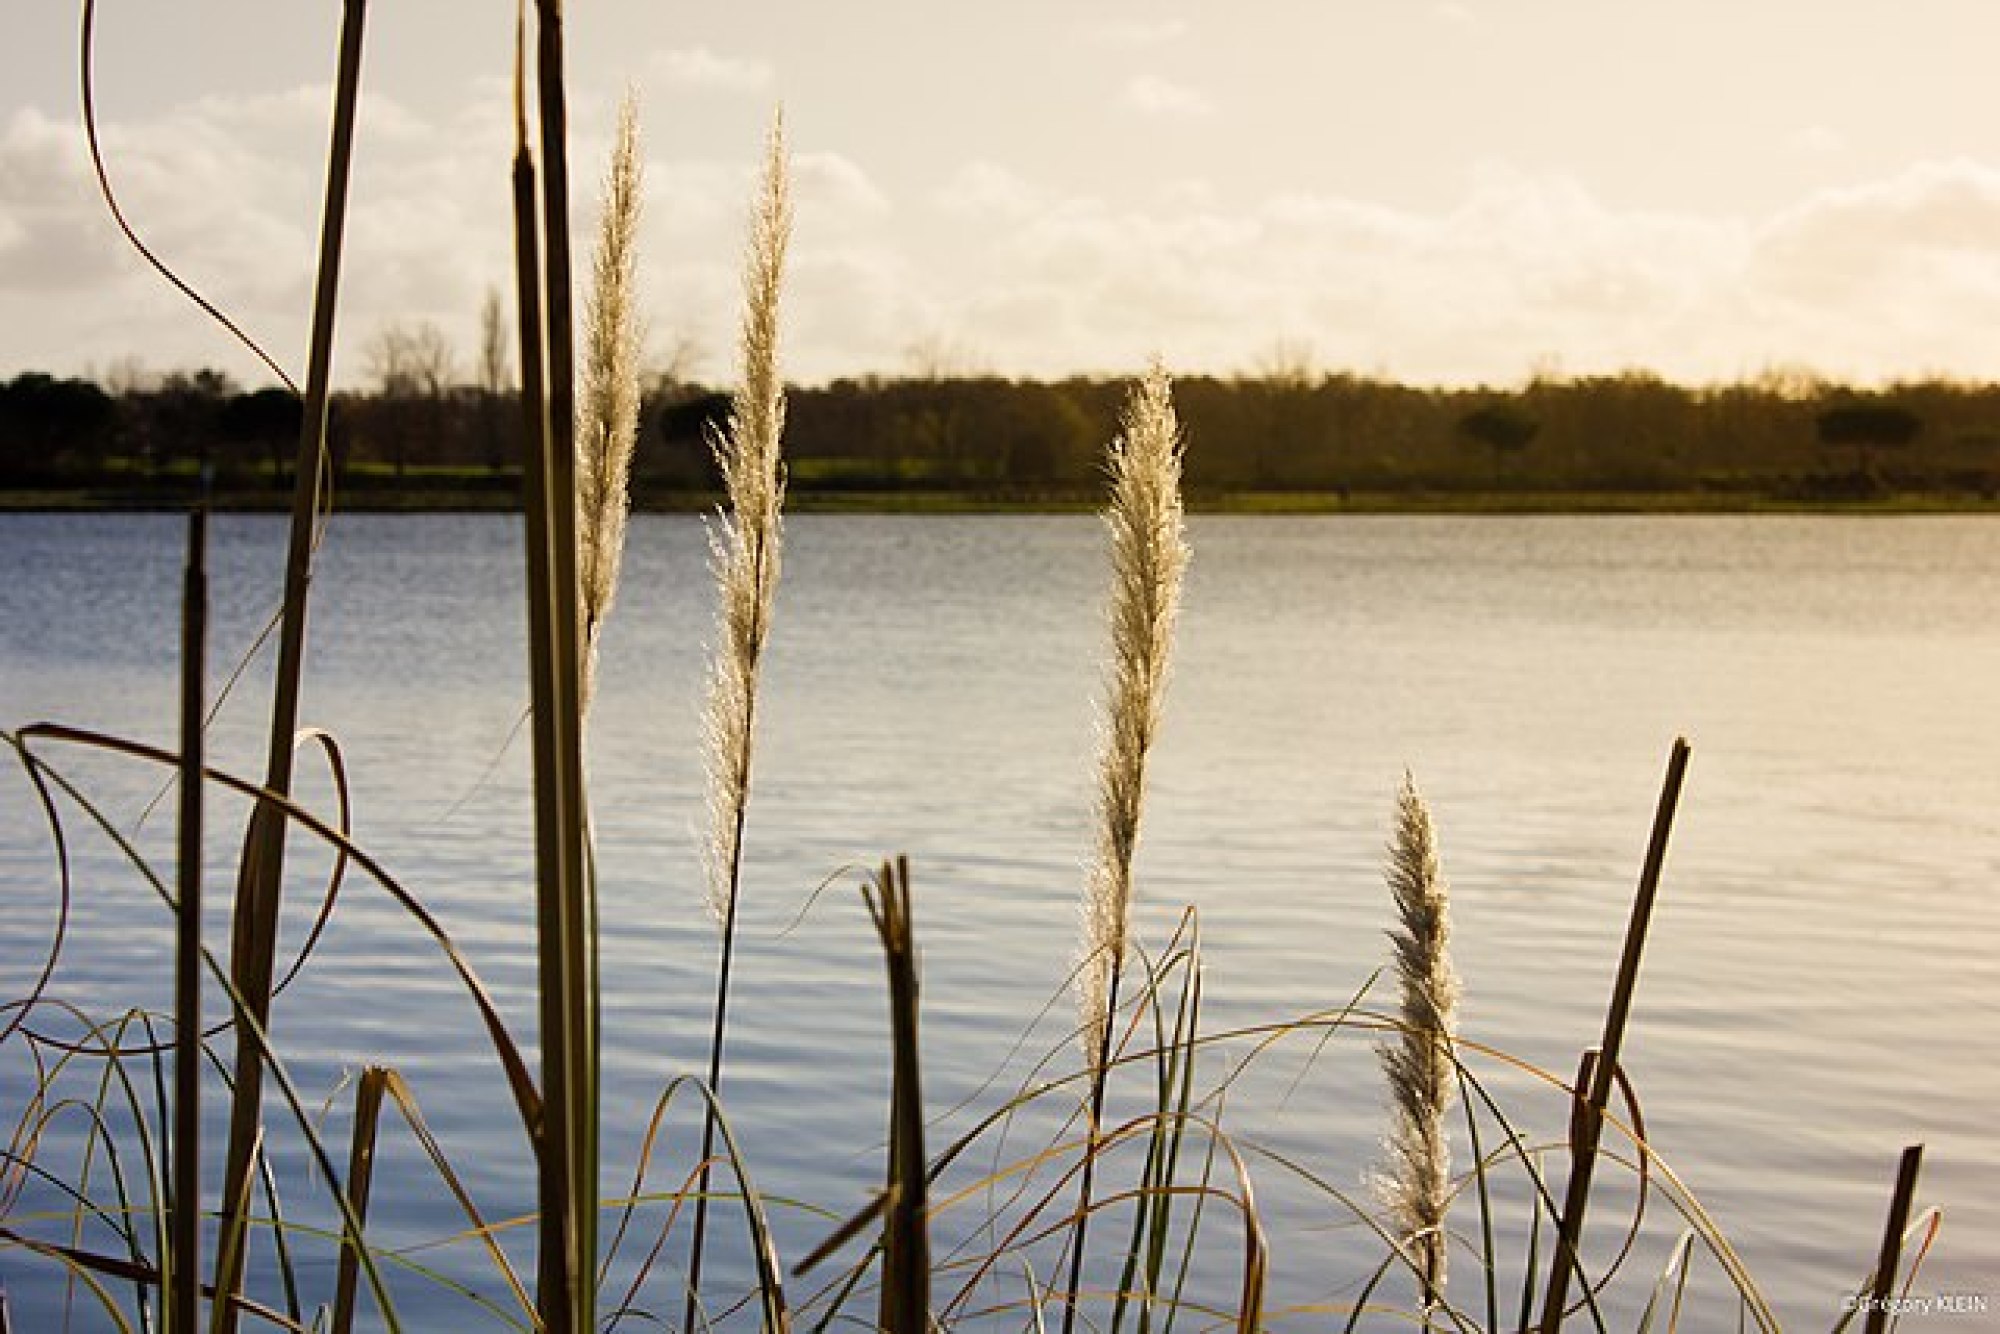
(906, 1258)
(360, 1183)
(1418, 1060)
(1602, 1069)
(745, 554)
(1883, 1288)
(183, 1258)
(253, 939)
(566, 1139)
(1149, 557)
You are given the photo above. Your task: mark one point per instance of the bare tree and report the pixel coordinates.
(496, 380)
(411, 360)
(495, 372)
(413, 365)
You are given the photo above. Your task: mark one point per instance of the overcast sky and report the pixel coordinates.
(1440, 192)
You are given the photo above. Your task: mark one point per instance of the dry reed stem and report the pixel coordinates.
(359, 1185)
(1422, 1074)
(1591, 1100)
(1149, 555)
(183, 1257)
(261, 873)
(607, 427)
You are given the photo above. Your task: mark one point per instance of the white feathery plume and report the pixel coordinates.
(744, 543)
(1149, 555)
(1422, 1074)
(607, 427)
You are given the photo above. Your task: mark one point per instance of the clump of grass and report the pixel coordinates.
(745, 555)
(1418, 1061)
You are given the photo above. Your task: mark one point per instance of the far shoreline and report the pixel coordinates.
(504, 500)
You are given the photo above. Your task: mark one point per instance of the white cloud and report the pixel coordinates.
(828, 183)
(1520, 268)
(1898, 276)
(984, 189)
(1151, 95)
(700, 68)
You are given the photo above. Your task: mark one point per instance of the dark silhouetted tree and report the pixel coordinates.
(264, 423)
(1865, 427)
(53, 429)
(1504, 428)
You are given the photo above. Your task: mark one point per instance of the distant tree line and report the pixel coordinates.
(421, 426)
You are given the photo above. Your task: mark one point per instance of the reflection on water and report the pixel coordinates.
(1820, 988)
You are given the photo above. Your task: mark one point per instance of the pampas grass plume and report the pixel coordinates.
(745, 542)
(1419, 1065)
(1149, 555)
(607, 427)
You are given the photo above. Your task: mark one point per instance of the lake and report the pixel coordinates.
(1822, 985)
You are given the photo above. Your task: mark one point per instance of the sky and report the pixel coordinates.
(1447, 192)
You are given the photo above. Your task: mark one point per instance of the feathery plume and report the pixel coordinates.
(744, 544)
(1149, 554)
(607, 425)
(1416, 1187)
(743, 551)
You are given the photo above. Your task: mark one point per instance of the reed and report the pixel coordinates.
(566, 1138)
(261, 873)
(360, 1185)
(1149, 556)
(745, 550)
(906, 1257)
(1883, 1286)
(1593, 1093)
(1418, 1061)
(184, 1254)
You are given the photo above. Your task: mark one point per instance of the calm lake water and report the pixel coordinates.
(1821, 988)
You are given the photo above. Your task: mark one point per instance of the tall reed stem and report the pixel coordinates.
(745, 553)
(184, 1233)
(1149, 556)
(253, 941)
(566, 1145)
(906, 1258)
(1603, 1071)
